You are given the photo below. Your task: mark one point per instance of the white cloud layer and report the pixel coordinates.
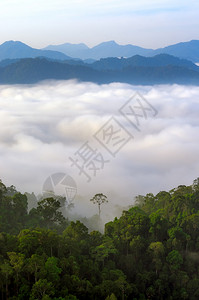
(42, 125)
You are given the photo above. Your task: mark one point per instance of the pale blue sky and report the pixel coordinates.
(150, 24)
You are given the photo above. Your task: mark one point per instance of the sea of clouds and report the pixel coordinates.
(42, 125)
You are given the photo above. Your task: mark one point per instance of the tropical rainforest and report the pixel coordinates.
(150, 252)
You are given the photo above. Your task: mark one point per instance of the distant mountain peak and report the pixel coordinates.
(14, 44)
(107, 43)
(77, 44)
(16, 49)
(11, 42)
(112, 42)
(69, 44)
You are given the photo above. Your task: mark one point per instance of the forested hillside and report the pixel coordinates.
(150, 252)
(161, 69)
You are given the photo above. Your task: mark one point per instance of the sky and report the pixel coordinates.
(44, 125)
(150, 24)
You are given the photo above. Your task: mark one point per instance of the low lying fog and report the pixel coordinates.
(41, 126)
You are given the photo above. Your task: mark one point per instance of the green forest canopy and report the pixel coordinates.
(150, 252)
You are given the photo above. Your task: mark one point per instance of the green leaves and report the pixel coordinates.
(174, 259)
(52, 269)
(48, 210)
(42, 289)
(16, 260)
(6, 270)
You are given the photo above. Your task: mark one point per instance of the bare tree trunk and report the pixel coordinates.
(7, 290)
(2, 292)
(99, 209)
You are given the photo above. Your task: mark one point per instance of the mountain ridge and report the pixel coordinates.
(115, 63)
(16, 50)
(103, 50)
(33, 70)
(187, 50)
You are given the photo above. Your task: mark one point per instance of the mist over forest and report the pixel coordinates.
(139, 146)
(46, 124)
(150, 251)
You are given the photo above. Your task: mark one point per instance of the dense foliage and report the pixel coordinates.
(150, 252)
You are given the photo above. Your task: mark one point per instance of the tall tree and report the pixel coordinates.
(99, 199)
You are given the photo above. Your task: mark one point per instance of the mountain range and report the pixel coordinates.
(186, 50)
(12, 50)
(20, 63)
